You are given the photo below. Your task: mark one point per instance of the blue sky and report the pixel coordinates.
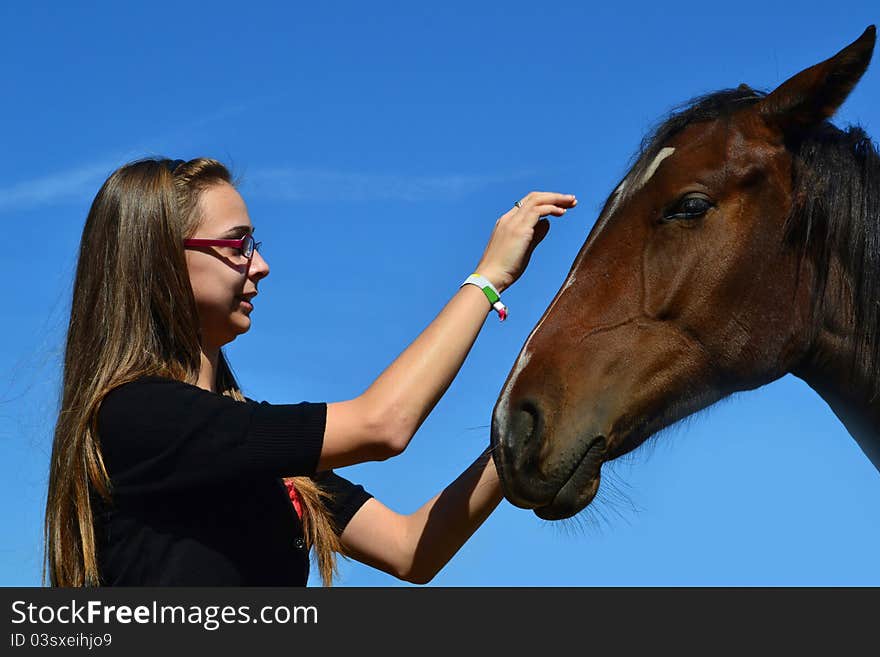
(377, 143)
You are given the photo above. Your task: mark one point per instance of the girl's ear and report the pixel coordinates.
(814, 94)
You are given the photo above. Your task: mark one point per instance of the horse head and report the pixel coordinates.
(717, 265)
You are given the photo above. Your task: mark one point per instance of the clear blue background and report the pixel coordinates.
(378, 142)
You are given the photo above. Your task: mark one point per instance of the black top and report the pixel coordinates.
(197, 494)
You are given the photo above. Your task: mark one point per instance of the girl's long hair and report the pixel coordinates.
(134, 314)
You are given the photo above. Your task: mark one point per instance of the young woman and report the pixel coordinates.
(164, 473)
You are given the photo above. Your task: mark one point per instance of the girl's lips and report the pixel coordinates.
(247, 304)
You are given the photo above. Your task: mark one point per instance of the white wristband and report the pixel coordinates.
(490, 292)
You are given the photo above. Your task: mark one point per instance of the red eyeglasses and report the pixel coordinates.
(246, 245)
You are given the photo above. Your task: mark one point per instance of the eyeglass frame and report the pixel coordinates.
(236, 244)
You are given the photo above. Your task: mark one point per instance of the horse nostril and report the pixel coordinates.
(528, 423)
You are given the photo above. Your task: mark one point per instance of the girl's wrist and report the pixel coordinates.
(492, 294)
(493, 277)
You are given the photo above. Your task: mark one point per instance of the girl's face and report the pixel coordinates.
(222, 278)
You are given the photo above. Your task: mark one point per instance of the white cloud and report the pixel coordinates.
(312, 185)
(80, 183)
(76, 184)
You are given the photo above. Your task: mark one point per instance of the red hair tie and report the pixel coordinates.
(295, 499)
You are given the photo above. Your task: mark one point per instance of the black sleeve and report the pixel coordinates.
(345, 500)
(158, 435)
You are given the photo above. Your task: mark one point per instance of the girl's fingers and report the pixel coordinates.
(542, 203)
(531, 214)
(544, 210)
(541, 230)
(549, 198)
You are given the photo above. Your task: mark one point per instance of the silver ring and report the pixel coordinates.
(518, 204)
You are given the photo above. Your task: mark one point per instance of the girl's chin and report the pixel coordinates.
(239, 323)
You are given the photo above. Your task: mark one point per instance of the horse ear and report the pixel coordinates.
(814, 94)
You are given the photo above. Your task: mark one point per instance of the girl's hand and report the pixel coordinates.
(516, 235)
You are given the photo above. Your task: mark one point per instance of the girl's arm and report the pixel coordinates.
(415, 547)
(380, 423)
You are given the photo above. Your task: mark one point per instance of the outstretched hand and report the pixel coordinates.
(517, 233)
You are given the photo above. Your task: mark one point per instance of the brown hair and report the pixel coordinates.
(134, 314)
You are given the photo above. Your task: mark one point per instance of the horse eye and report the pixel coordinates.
(690, 207)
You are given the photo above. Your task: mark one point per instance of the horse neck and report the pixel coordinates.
(839, 364)
(847, 385)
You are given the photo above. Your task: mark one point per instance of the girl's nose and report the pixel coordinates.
(259, 267)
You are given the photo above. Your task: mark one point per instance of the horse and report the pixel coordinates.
(742, 245)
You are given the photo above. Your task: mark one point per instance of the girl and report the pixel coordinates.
(164, 473)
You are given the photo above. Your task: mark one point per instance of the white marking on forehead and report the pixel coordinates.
(617, 196)
(662, 155)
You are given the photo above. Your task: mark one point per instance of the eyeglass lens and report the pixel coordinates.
(249, 246)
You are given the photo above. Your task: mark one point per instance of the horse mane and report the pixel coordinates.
(836, 209)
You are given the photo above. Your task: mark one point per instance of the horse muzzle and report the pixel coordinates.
(555, 483)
